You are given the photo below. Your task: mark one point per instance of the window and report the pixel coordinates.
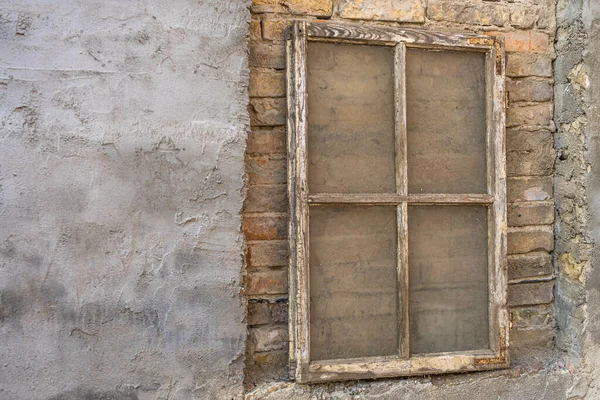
(397, 202)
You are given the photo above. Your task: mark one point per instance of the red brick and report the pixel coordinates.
(524, 41)
(263, 282)
(261, 227)
(264, 170)
(269, 198)
(271, 253)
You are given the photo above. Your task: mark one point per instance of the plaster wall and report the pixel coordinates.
(122, 130)
(577, 185)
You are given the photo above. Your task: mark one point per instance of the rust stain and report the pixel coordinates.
(501, 359)
(482, 41)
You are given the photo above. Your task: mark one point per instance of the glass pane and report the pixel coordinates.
(448, 285)
(350, 118)
(353, 282)
(446, 121)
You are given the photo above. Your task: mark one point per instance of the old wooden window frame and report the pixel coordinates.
(404, 364)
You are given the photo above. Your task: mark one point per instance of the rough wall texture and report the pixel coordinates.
(577, 185)
(123, 128)
(529, 29)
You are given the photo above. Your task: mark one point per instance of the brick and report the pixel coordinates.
(264, 312)
(258, 313)
(535, 115)
(264, 227)
(383, 10)
(276, 361)
(266, 141)
(254, 31)
(524, 41)
(533, 265)
(529, 239)
(522, 16)
(528, 64)
(266, 55)
(537, 213)
(266, 83)
(271, 198)
(529, 189)
(272, 253)
(529, 90)
(521, 294)
(269, 338)
(529, 153)
(274, 29)
(263, 170)
(266, 282)
(533, 317)
(468, 12)
(319, 8)
(267, 111)
(527, 340)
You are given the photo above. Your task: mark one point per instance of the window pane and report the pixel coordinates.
(448, 286)
(353, 282)
(446, 121)
(350, 118)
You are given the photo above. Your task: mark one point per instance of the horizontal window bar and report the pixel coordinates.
(393, 198)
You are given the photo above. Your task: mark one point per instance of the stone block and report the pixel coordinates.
(529, 189)
(266, 82)
(473, 13)
(521, 294)
(528, 239)
(528, 64)
(535, 213)
(532, 265)
(383, 10)
(529, 153)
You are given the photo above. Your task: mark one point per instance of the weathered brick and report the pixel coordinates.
(274, 29)
(272, 253)
(535, 115)
(267, 111)
(533, 265)
(522, 294)
(528, 64)
(468, 12)
(258, 313)
(528, 340)
(264, 312)
(266, 141)
(383, 10)
(266, 55)
(529, 90)
(269, 338)
(266, 282)
(264, 170)
(319, 8)
(522, 16)
(529, 153)
(524, 41)
(533, 317)
(529, 189)
(265, 227)
(266, 83)
(536, 213)
(273, 362)
(254, 32)
(528, 239)
(271, 198)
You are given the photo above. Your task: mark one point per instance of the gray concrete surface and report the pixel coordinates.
(123, 126)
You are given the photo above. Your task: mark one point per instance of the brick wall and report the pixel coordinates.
(528, 27)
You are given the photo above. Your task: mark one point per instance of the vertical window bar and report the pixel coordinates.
(402, 189)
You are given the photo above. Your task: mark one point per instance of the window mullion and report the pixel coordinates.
(402, 190)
